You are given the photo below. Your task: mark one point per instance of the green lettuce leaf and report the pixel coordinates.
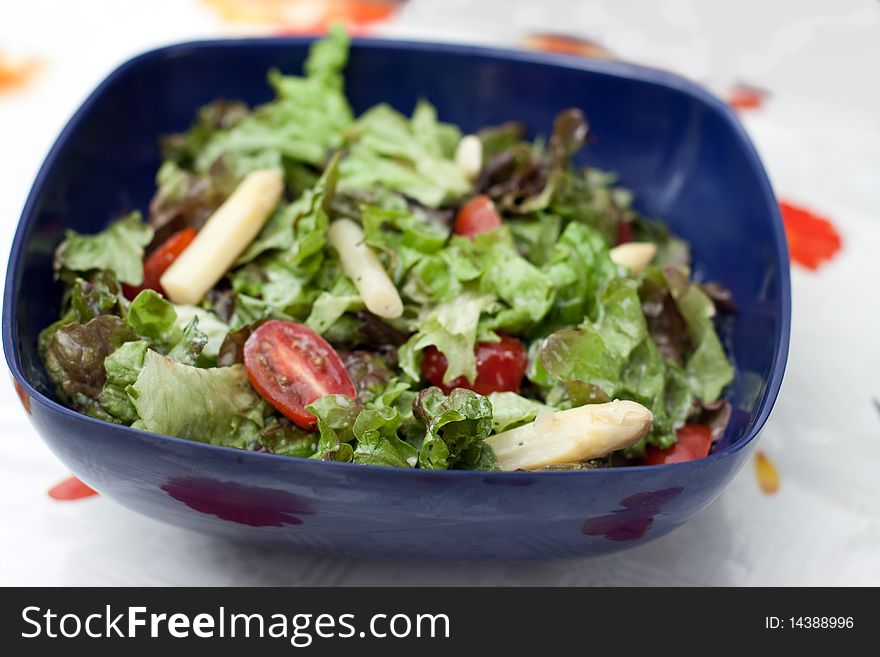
(332, 304)
(526, 290)
(510, 410)
(596, 352)
(214, 405)
(153, 317)
(122, 367)
(707, 366)
(399, 395)
(302, 125)
(457, 425)
(192, 343)
(378, 443)
(281, 436)
(213, 327)
(413, 157)
(119, 248)
(336, 416)
(579, 268)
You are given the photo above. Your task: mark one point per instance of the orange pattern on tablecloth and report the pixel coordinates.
(22, 395)
(70, 489)
(568, 45)
(15, 74)
(746, 97)
(768, 475)
(306, 16)
(812, 238)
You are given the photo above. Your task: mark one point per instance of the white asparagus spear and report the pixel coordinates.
(634, 255)
(362, 266)
(223, 237)
(578, 434)
(469, 155)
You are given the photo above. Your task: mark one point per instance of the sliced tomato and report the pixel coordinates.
(291, 366)
(694, 442)
(501, 367)
(477, 216)
(160, 260)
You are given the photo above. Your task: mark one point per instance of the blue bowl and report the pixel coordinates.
(681, 150)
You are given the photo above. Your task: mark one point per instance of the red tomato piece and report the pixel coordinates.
(160, 260)
(625, 232)
(291, 366)
(694, 442)
(477, 216)
(501, 367)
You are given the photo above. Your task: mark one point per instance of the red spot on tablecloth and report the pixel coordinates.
(635, 518)
(22, 395)
(746, 97)
(15, 74)
(70, 489)
(302, 17)
(812, 238)
(254, 506)
(567, 45)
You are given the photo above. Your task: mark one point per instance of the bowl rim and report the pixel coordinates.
(611, 68)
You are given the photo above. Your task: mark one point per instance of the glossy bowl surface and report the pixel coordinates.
(678, 147)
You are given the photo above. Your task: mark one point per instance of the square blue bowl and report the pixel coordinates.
(679, 148)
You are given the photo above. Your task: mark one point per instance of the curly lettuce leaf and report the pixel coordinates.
(213, 327)
(281, 436)
(457, 424)
(377, 439)
(332, 304)
(413, 157)
(526, 290)
(74, 358)
(336, 415)
(596, 352)
(707, 366)
(215, 405)
(119, 248)
(302, 125)
(122, 368)
(84, 300)
(192, 342)
(616, 357)
(579, 268)
(153, 317)
(338, 412)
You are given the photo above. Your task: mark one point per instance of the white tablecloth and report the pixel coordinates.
(819, 133)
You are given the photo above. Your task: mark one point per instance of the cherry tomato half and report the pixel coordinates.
(160, 260)
(694, 442)
(501, 367)
(477, 216)
(291, 366)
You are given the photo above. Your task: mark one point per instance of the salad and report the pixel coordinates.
(382, 289)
